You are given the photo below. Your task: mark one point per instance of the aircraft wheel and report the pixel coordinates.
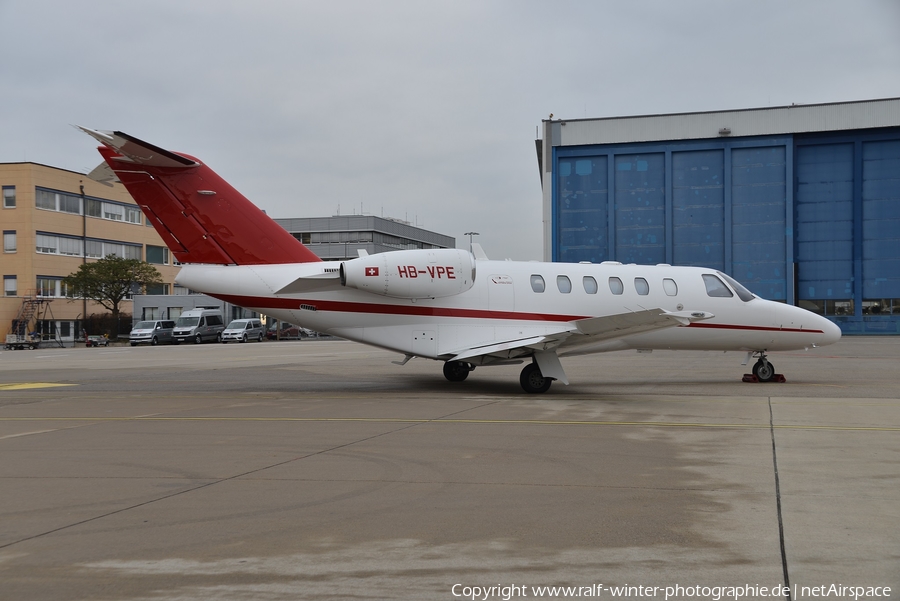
(764, 370)
(533, 381)
(456, 371)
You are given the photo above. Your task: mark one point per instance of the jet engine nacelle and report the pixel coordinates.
(411, 273)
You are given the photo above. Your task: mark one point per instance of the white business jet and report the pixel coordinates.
(450, 305)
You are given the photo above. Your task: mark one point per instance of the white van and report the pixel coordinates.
(243, 330)
(199, 325)
(152, 332)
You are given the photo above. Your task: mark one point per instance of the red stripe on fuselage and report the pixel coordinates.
(723, 326)
(385, 309)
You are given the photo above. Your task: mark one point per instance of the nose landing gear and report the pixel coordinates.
(763, 370)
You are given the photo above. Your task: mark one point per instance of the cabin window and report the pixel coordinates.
(715, 287)
(642, 287)
(670, 287)
(590, 284)
(616, 286)
(537, 283)
(564, 284)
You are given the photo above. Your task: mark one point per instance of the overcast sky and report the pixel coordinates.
(423, 110)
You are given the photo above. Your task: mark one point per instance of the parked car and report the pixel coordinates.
(284, 331)
(289, 331)
(243, 330)
(199, 325)
(99, 341)
(152, 332)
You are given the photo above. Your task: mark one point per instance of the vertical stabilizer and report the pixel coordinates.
(199, 215)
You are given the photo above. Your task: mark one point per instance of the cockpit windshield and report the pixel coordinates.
(744, 294)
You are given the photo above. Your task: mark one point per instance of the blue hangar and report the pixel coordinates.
(801, 203)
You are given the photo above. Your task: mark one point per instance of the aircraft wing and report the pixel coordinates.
(638, 322)
(582, 332)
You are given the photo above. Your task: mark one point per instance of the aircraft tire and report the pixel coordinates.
(456, 371)
(764, 371)
(533, 381)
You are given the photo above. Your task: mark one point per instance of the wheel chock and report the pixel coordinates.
(777, 378)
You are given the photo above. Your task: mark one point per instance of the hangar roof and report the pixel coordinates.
(796, 118)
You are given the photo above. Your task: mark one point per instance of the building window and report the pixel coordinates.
(69, 204)
(9, 241)
(158, 255)
(670, 287)
(881, 306)
(64, 202)
(564, 284)
(175, 312)
(537, 283)
(10, 286)
(590, 284)
(45, 200)
(48, 286)
(616, 286)
(93, 208)
(9, 197)
(52, 244)
(157, 289)
(150, 313)
(113, 212)
(133, 215)
(49, 244)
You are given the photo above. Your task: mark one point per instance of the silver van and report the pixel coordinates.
(152, 332)
(199, 325)
(243, 330)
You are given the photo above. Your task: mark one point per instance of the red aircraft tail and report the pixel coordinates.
(201, 218)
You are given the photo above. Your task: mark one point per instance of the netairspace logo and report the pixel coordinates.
(715, 593)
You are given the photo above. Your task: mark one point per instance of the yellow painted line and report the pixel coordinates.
(521, 422)
(29, 385)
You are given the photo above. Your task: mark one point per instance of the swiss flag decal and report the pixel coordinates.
(371, 271)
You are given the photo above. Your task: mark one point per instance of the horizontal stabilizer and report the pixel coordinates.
(138, 151)
(103, 174)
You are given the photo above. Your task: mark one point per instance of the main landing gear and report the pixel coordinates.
(531, 378)
(457, 371)
(533, 381)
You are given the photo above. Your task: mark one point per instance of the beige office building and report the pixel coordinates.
(51, 225)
